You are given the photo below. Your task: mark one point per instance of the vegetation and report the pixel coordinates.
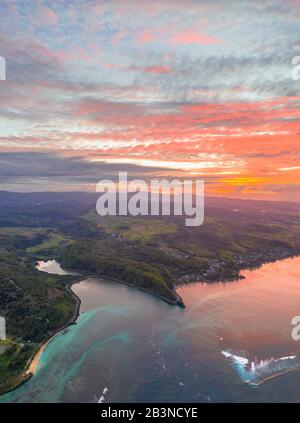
(33, 303)
(154, 254)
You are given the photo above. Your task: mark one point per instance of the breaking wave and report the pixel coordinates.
(102, 398)
(258, 371)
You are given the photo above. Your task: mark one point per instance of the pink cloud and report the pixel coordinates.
(158, 69)
(187, 37)
(145, 37)
(47, 16)
(119, 36)
(295, 4)
(76, 54)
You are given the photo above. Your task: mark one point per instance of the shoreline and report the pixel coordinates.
(269, 378)
(178, 301)
(32, 364)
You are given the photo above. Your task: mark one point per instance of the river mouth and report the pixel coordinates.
(130, 347)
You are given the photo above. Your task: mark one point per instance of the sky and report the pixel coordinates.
(186, 89)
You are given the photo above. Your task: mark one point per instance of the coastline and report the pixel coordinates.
(32, 364)
(34, 361)
(269, 378)
(177, 301)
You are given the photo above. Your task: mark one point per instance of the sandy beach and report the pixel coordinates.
(33, 363)
(32, 367)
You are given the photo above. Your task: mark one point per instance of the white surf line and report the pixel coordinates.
(102, 397)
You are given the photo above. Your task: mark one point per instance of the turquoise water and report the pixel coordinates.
(232, 343)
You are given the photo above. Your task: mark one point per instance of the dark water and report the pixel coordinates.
(130, 346)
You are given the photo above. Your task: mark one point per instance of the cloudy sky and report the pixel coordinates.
(191, 88)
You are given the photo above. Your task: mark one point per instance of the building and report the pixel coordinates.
(2, 329)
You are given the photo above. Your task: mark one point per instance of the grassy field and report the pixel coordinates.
(53, 241)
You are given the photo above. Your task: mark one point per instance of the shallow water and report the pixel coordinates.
(232, 343)
(53, 267)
